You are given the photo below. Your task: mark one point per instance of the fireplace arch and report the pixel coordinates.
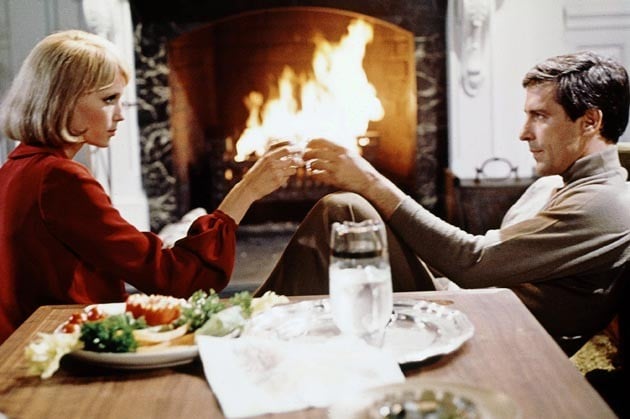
(215, 66)
(157, 22)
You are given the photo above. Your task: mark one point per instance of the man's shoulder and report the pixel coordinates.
(608, 199)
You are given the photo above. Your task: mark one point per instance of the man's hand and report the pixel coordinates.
(345, 169)
(335, 165)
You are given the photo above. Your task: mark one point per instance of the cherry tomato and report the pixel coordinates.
(70, 327)
(94, 313)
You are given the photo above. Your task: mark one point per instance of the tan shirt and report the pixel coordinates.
(560, 259)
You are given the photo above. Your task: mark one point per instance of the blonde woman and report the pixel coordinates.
(61, 240)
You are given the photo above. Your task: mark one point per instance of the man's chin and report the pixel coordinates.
(541, 170)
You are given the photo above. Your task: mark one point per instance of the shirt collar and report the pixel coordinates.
(25, 150)
(594, 164)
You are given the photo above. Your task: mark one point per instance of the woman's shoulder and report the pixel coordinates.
(60, 175)
(54, 165)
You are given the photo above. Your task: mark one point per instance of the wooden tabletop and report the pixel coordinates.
(509, 352)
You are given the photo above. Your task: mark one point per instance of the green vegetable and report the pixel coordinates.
(223, 323)
(111, 334)
(203, 305)
(243, 299)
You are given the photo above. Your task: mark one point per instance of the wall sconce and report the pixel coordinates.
(473, 18)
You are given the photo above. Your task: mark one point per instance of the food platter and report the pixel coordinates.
(155, 357)
(418, 329)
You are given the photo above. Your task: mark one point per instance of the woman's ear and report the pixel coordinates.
(592, 121)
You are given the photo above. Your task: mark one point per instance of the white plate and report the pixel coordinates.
(425, 398)
(419, 329)
(167, 356)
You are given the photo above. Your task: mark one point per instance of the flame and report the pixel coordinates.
(336, 101)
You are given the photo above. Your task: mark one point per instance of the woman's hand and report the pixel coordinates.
(270, 172)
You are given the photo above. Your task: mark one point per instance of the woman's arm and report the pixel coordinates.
(269, 173)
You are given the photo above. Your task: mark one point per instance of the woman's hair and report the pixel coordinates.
(59, 70)
(585, 80)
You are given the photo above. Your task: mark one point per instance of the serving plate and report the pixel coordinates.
(164, 357)
(418, 329)
(145, 358)
(426, 398)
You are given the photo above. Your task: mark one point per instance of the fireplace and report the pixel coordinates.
(216, 57)
(214, 67)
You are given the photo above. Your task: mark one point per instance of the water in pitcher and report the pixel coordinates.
(360, 281)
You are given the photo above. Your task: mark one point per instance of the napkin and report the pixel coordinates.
(258, 375)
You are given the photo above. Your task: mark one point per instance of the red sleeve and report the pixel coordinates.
(79, 213)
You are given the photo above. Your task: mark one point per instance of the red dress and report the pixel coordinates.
(62, 241)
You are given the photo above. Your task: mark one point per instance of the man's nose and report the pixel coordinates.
(525, 134)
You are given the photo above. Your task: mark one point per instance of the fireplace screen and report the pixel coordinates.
(239, 83)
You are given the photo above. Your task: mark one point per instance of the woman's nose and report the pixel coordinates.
(119, 111)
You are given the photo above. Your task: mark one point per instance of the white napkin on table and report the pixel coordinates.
(255, 375)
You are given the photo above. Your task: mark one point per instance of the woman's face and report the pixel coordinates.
(97, 114)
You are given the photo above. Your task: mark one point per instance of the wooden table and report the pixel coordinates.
(509, 352)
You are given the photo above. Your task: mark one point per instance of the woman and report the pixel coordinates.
(61, 241)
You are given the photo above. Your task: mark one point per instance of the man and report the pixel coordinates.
(563, 251)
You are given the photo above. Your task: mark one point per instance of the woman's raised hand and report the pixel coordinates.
(272, 170)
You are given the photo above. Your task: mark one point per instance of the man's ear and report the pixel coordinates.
(592, 121)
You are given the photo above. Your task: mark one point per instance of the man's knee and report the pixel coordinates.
(346, 206)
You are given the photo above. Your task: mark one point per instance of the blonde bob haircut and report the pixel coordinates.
(59, 70)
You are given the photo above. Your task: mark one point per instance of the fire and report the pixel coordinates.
(336, 101)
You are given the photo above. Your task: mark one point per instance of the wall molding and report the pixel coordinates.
(600, 15)
(603, 27)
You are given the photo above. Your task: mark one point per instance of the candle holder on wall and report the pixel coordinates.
(473, 18)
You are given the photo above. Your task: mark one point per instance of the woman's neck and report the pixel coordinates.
(71, 149)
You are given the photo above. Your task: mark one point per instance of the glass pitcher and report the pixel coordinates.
(360, 279)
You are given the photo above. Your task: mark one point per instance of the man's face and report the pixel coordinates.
(554, 140)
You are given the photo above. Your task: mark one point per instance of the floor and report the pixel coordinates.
(258, 248)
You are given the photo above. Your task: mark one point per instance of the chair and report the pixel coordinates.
(613, 385)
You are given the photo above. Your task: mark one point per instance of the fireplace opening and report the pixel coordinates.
(215, 66)
(173, 177)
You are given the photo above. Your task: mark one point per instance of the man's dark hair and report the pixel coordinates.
(585, 80)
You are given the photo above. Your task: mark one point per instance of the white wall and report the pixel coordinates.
(25, 23)
(22, 24)
(516, 34)
(520, 34)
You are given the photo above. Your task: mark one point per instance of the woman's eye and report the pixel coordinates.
(110, 100)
